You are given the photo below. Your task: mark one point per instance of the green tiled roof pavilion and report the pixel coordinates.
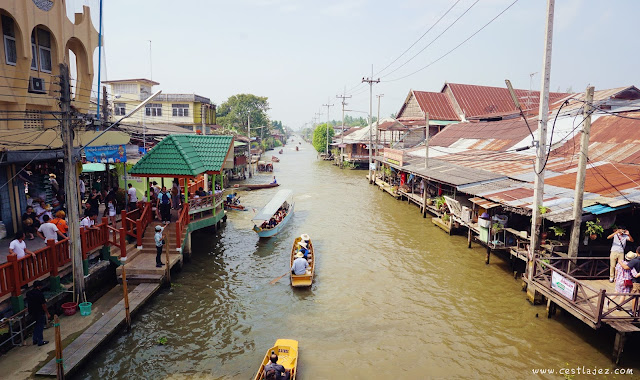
(185, 156)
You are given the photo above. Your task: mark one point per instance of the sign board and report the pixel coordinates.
(394, 156)
(563, 285)
(106, 154)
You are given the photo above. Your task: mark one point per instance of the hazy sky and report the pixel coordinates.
(300, 53)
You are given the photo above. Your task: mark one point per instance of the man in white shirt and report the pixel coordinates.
(132, 198)
(82, 188)
(18, 247)
(49, 231)
(300, 265)
(87, 222)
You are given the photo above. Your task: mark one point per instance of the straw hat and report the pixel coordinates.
(299, 254)
(303, 244)
(304, 237)
(631, 255)
(51, 175)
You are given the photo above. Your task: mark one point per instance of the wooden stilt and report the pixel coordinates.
(59, 360)
(469, 238)
(551, 308)
(127, 315)
(488, 256)
(618, 345)
(166, 260)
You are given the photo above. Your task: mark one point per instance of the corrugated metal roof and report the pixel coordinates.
(483, 100)
(437, 104)
(505, 133)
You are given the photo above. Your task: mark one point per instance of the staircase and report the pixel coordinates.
(141, 263)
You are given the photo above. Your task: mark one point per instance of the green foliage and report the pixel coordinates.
(594, 228)
(496, 227)
(446, 218)
(162, 341)
(320, 137)
(543, 209)
(557, 231)
(277, 143)
(440, 202)
(350, 121)
(233, 113)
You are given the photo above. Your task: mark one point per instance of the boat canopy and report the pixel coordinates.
(272, 207)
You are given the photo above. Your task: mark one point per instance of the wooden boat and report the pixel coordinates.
(287, 351)
(280, 152)
(307, 278)
(284, 198)
(235, 207)
(256, 186)
(296, 148)
(275, 159)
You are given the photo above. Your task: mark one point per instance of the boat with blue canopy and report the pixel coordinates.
(273, 217)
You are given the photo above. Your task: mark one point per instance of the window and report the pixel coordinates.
(10, 52)
(120, 109)
(180, 110)
(41, 50)
(153, 109)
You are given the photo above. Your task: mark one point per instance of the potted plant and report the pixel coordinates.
(543, 210)
(446, 218)
(594, 229)
(440, 203)
(496, 228)
(557, 231)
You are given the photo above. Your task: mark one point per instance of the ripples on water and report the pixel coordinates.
(393, 297)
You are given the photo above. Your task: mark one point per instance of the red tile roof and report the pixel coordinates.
(437, 104)
(483, 100)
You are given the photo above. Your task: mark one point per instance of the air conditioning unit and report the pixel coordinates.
(36, 85)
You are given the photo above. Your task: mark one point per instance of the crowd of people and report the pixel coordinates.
(301, 263)
(277, 217)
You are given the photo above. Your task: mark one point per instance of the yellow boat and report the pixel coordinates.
(307, 278)
(287, 351)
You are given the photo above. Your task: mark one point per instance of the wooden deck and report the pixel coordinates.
(81, 348)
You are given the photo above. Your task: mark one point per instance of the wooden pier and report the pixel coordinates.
(81, 348)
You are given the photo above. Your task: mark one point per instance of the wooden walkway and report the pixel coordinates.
(80, 349)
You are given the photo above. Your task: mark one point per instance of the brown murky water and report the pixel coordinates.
(394, 298)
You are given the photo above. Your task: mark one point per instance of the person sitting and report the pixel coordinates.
(300, 265)
(303, 248)
(305, 238)
(30, 222)
(274, 180)
(274, 370)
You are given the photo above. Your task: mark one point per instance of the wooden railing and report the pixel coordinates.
(117, 237)
(135, 222)
(16, 273)
(201, 202)
(594, 305)
(181, 223)
(92, 238)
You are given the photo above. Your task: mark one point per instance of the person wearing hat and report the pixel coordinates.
(620, 238)
(300, 265)
(304, 248)
(54, 183)
(159, 239)
(59, 221)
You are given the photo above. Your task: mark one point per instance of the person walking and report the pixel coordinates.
(49, 231)
(132, 198)
(159, 239)
(620, 238)
(38, 309)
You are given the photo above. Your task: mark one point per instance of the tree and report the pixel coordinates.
(233, 113)
(320, 137)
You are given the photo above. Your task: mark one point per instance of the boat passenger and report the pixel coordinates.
(304, 248)
(300, 265)
(305, 238)
(280, 372)
(274, 180)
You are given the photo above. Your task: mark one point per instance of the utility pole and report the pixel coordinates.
(580, 178)
(541, 151)
(105, 121)
(249, 135)
(70, 184)
(371, 81)
(327, 105)
(377, 135)
(426, 140)
(343, 97)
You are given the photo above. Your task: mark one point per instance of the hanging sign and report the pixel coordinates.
(106, 154)
(563, 285)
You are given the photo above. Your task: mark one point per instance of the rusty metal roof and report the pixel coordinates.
(437, 104)
(477, 100)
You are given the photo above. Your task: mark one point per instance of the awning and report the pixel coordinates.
(485, 204)
(272, 207)
(93, 167)
(603, 209)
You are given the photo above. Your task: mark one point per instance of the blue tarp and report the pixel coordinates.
(603, 209)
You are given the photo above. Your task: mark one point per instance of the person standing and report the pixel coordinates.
(49, 231)
(83, 189)
(111, 210)
(60, 222)
(620, 238)
(175, 195)
(18, 247)
(164, 205)
(38, 309)
(159, 239)
(54, 183)
(94, 201)
(132, 198)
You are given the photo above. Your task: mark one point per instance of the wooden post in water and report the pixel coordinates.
(127, 316)
(59, 361)
(469, 238)
(166, 260)
(488, 255)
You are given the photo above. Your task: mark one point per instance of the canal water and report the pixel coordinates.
(394, 298)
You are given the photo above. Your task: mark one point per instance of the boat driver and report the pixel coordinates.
(280, 372)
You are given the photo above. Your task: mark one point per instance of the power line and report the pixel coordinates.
(456, 47)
